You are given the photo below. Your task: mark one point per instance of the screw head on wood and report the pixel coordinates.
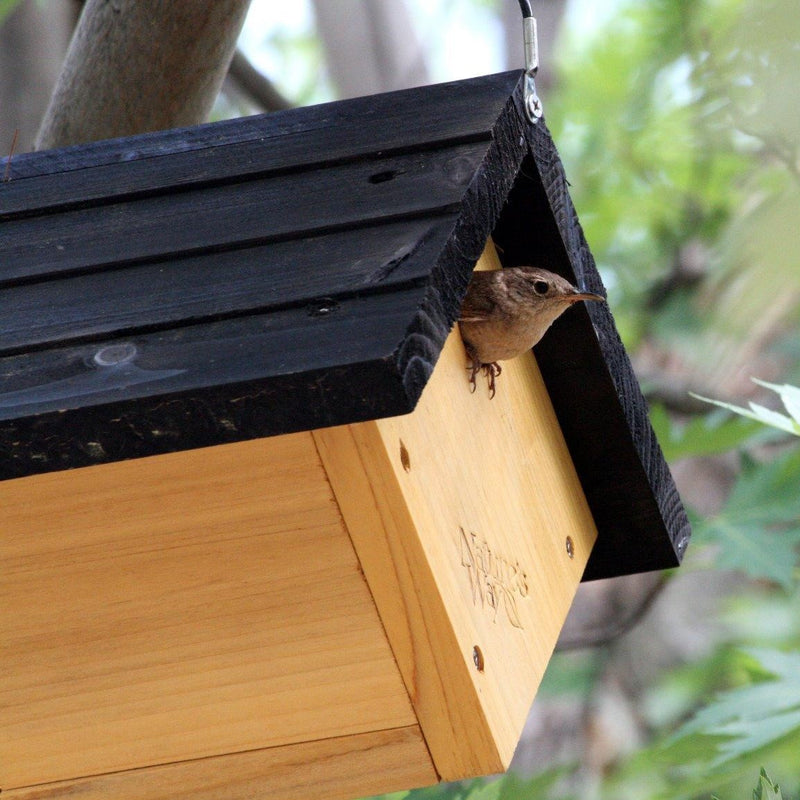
(535, 110)
(405, 458)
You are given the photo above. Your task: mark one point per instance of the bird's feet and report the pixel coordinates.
(491, 371)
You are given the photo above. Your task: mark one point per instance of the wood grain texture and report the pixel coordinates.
(201, 385)
(236, 215)
(460, 514)
(181, 608)
(337, 769)
(222, 285)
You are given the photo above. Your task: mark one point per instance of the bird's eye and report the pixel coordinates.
(541, 287)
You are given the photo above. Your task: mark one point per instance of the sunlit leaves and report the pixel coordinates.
(679, 124)
(790, 395)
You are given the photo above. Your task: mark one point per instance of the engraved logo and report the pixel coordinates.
(497, 583)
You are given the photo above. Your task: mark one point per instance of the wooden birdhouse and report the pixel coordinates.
(258, 536)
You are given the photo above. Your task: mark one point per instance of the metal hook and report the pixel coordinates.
(533, 105)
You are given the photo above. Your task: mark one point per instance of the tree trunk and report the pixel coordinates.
(137, 66)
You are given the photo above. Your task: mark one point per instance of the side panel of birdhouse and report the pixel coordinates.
(473, 532)
(194, 622)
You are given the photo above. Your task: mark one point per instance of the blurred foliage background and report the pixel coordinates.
(679, 125)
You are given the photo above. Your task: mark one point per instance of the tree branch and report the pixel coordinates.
(256, 85)
(618, 625)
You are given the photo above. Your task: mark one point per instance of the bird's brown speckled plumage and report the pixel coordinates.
(506, 312)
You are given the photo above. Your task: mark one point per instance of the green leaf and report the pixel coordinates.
(757, 412)
(717, 432)
(540, 785)
(790, 395)
(747, 736)
(748, 718)
(757, 553)
(758, 530)
(766, 789)
(767, 493)
(489, 791)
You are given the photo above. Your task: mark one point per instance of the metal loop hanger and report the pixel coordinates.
(533, 105)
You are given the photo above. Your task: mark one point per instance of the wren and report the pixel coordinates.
(506, 312)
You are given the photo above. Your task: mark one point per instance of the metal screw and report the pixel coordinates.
(477, 658)
(534, 107)
(570, 547)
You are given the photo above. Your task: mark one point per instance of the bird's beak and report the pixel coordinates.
(578, 296)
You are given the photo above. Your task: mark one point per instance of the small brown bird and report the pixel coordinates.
(506, 312)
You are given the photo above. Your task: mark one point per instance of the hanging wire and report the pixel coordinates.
(527, 11)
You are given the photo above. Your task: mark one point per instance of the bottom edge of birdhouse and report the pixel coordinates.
(339, 768)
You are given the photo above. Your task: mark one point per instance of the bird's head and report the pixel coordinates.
(549, 289)
(544, 295)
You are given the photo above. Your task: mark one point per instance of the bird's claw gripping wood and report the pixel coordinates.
(491, 371)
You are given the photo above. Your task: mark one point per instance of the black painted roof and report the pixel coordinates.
(301, 269)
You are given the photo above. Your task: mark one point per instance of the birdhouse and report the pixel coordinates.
(259, 536)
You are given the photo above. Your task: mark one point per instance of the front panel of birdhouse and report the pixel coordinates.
(473, 532)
